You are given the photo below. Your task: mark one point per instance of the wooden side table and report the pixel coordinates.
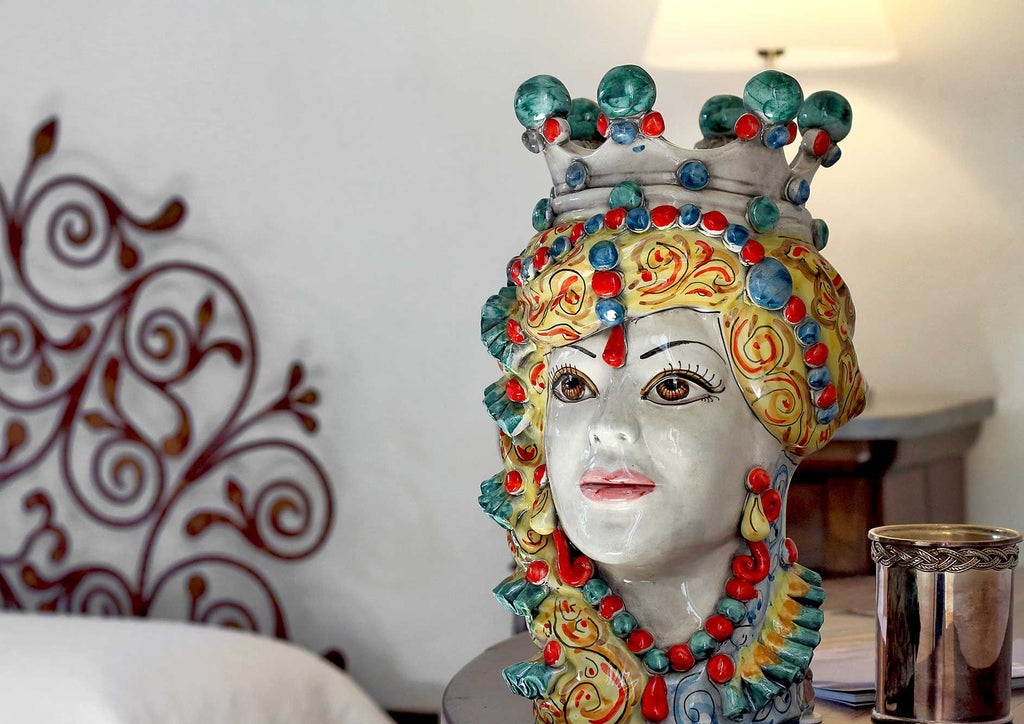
(901, 461)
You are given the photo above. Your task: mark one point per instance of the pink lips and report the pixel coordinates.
(615, 486)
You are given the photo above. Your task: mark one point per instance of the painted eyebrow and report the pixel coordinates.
(668, 345)
(583, 350)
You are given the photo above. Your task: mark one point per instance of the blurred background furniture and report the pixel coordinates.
(901, 461)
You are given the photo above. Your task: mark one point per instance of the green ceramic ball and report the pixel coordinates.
(540, 97)
(626, 90)
(718, 115)
(773, 95)
(829, 111)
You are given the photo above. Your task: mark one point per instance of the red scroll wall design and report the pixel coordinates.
(139, 473)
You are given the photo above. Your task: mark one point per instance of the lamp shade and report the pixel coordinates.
(704, 35)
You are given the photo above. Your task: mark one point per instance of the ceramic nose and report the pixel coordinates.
(615, 426)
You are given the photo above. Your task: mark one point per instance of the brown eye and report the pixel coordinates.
(679, 387)
(570, 385)
(672, 389)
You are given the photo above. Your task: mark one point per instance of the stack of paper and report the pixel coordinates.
(846, 674)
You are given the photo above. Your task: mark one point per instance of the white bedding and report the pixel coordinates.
(77, 670)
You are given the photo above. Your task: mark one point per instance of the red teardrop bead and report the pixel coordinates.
(791, 127)
(577, 232)
(654, 702)
(614, 354)
(539, 473)
(602, 125)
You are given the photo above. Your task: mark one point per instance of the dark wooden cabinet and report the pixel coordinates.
(901, 461)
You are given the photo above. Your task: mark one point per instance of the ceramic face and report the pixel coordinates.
(642, 459)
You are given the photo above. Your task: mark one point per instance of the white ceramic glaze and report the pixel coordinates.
(664, 549)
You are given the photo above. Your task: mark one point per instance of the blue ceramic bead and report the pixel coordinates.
(576, 175)
(689, 216)
(540, 97)
(542, 215)
(831, 157)
(736, 236)
(533, 140)
(610, 312)
(808, 332)
(776, 137)
(798, 191)
(828, 414)
(593, 224)
(819, 378)
(638, 219)
(623, 132)
(769, 284)
(559, 246)
(819, 233)
(693, 175)
(627, 195)
(626, 90)
(603, 256)
(527, 270)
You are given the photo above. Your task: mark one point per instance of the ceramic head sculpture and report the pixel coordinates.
(672, 343)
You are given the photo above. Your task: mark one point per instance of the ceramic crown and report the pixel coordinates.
(611, 154)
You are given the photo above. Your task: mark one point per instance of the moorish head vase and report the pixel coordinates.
(672, 343)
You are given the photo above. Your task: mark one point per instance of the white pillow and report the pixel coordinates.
(59, 669)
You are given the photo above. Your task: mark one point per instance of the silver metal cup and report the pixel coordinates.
(944, 595)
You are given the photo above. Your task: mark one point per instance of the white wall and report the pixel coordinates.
(359, 165)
